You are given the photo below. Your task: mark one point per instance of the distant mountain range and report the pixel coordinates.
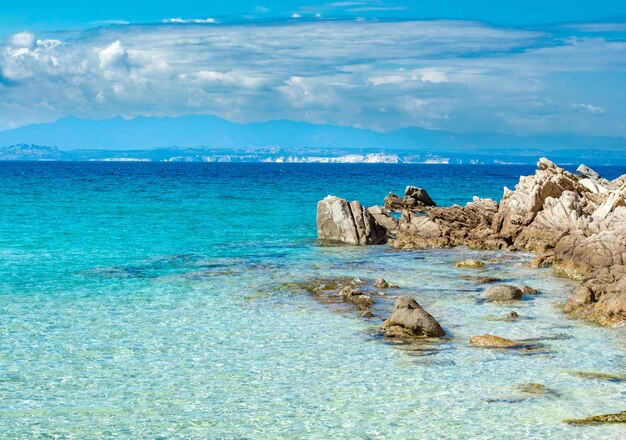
(195, 138)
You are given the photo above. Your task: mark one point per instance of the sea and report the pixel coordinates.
(156, 300)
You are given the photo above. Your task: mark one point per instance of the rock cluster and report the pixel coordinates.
(415, 199)
(576, 222)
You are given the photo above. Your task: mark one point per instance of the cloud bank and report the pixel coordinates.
(451, 75)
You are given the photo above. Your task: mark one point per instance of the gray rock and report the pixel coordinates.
(420, 195)
(585, 171)
(409, 319)
(338, 220)
(383, 218)
(502, 292)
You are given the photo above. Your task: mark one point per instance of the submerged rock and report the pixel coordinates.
(535, 388)
(502, 292)
(409, 319)
(470, 263)
(356, 297)
(489, 280)
(605, 418)
(341, 221)
(599, 376)
(527, 290)
(491, 341)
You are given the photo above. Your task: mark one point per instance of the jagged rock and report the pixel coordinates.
(338, 220)
(447, 227)
(420, 195)
(491, 341)
(415, 199)
(502, 292)
(381, 283)
(470, 263)
(518, 208)
(409, 319)
(585, 171)
(383, 218)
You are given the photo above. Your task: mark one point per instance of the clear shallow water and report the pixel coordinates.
(148, 300)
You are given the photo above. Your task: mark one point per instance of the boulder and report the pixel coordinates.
(381, 283)
(502, 292)
(415, 199)
(585, 171)
(383, 218)
(491, 341)
(341, 221)
(409, 319)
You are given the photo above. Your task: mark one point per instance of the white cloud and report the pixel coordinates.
(190, 20)
(593, 109)
(114, 56)
(23, 39)
(456, 75)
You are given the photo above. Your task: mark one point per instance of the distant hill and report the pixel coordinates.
(213, 133)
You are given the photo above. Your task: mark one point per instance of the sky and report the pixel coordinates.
(520, 67)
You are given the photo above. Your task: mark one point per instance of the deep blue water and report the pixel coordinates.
(148, 300)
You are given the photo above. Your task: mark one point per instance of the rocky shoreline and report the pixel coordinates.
(573, 222)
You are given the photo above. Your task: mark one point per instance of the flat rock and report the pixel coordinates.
(491, 341)
(470, 263)
(604, 418)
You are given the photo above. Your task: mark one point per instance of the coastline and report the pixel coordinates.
(575, 223)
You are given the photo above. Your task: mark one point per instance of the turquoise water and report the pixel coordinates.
(149, 301)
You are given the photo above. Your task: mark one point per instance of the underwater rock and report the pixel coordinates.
(409, 319)
(470, 263)
(491, 341)
(502, 292)
(604, 418)
(527, 290)
(489, 280)
(356, 297)
(599, 376)
(534, 388)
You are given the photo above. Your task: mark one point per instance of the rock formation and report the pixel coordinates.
(415, 199)
(348, 222)
(409, 319)
(576, 222)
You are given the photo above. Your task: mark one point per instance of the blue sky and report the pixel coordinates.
(521, 67)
